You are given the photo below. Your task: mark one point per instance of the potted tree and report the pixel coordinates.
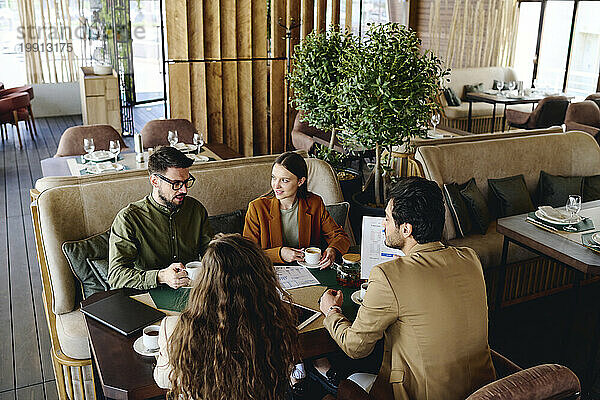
(388, 91)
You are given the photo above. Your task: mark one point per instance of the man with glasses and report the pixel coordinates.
(152, 239)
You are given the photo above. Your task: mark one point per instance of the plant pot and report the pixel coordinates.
(361, 203)
(350, 182)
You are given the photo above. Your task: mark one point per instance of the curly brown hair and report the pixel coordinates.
(237, 338)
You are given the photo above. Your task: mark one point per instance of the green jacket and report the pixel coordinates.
(145, 237)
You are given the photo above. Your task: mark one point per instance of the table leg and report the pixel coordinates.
(579, 276)
(501, 276)
(469, 122)
(504, 118)
(494, 118)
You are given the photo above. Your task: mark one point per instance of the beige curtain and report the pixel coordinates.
(50, 54)
(473, 33)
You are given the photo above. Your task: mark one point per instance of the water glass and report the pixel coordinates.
(88, 145)
(172, 138)
(573, 205)
(198, 141)
(114, 148)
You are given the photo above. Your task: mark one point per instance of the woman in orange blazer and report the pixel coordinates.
(264, 217)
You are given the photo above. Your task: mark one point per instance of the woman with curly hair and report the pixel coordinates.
(237, 337)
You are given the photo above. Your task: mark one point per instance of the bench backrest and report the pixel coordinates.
(471, 76)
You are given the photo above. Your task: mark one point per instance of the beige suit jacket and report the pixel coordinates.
(431, 309)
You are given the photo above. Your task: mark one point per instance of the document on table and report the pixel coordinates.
(291, 277)
(373, 250)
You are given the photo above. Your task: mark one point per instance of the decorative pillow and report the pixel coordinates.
(451, 97)
(472, 88)
(591, 188)
(85, 259)
(458, 208)
(509, 196)
(478, 209)
(554, 190)
(339, 212)
(228, 223)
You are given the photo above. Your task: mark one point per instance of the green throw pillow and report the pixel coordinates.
(458, 208)
(478, 209)
(591, 188)
(510, 196)
(228, 223)
(554, 190)
(472, 88)
(86, 257)
(339, 212)
(451, 97)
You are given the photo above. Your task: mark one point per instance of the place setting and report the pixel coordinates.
(591, 240)
(191, 150)
(100, 161)
(562, 220)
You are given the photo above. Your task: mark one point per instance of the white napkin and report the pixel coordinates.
(554, 214)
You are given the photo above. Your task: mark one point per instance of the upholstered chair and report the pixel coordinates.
(14, 108)
(71, 141)
(155, 132)
(595, 97)
(20, 89)
(584, 116)
(550, 111)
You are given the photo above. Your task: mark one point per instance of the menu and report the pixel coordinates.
(291, 277)
(373, 250)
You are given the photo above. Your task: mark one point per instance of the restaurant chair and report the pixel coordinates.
(13, 109)
(595, 97)
(584, 116)
(20, 89)
(549, 111)
(71, 141)
(155, 132)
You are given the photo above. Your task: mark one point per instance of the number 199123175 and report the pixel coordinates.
(44, 47)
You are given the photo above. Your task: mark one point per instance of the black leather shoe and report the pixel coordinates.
(333, 376)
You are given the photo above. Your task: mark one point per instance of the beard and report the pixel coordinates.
(169, 203)
(394, 240)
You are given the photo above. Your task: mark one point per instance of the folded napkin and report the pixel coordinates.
(555, 215)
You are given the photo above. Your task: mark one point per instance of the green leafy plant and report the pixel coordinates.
(332, 157)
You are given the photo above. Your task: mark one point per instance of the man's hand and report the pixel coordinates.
(174, 275)
(327, 258)
(289, 254)
(330, 298)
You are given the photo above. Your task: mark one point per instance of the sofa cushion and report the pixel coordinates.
(83, 256)
(509, 196)
(451, 97)
(73, 335)
(471, 88)
(339, 212)
(591, 188)
(458, 208)
(478, 209)
(554, 190)
(228, 223)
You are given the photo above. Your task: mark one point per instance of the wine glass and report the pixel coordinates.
(172, 138)
(435, 120)
(114, 148)
(88, 146)
(198, 141)
(499, 86)
(573, 205)
(512, 85)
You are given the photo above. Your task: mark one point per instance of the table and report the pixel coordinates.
(58, 166)
(496, 99)
(113, 353)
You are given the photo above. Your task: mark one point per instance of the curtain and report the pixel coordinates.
(473, 33)
(49, 33)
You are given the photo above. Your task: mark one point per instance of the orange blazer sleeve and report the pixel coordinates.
(334, 234)
(252, 230)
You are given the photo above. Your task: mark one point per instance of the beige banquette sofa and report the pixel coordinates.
(74, 208)
(457, 116)
(569, 154)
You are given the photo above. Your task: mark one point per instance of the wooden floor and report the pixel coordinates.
(25, 365)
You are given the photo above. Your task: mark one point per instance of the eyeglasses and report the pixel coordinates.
(176, 185)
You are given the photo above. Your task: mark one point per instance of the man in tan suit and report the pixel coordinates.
(429, 306)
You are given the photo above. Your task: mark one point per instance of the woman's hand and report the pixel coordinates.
(327, 257)
(289, 254)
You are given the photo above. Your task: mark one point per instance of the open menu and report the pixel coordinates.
(373, 250)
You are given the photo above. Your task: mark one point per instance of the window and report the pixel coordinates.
(11, 55)
(529, 17)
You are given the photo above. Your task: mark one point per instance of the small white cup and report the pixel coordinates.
(312, 255)
(150, 337)
(363, 289)
(193, 269)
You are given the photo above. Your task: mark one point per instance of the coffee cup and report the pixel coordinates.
(150, 337)
(193, 269)
(312, 255)
(363, 289)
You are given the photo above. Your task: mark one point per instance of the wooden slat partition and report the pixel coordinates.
(224, 77)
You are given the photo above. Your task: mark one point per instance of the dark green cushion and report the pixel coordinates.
(458, 208)
(339, 212)
(472, 88)
(591, 188)
(478, 209)
(85, 257)
(451, 97)
(509, 196)
(554, 190)
(228, 223)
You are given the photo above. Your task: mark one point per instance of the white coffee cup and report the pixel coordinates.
(193, 269)
(150, 337)
(363, 289)
(312, 255)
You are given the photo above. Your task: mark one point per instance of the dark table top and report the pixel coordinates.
(493, 98)
(551, 244)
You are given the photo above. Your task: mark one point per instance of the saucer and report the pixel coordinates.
(596, 238)
(309, 266)
(356, 297)
(139, 348)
